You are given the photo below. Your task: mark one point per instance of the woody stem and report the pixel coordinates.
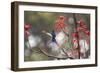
(77, 35)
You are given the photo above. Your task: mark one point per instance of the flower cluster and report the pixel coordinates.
(26, 29)
(82, 27)
(59, 24)
(75, 40)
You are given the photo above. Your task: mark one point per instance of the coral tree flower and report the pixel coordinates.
(26, 29)
(59, 24)
(75, 40)
(81, 23)
(74, 35)
(83, 27)
(87, 33)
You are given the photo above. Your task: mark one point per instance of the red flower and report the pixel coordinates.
(74, 35)
(81, 22)
(59, 25)
(84, 26)
(75, 40)
(27, 27)
(87, 33)
(79, 28)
